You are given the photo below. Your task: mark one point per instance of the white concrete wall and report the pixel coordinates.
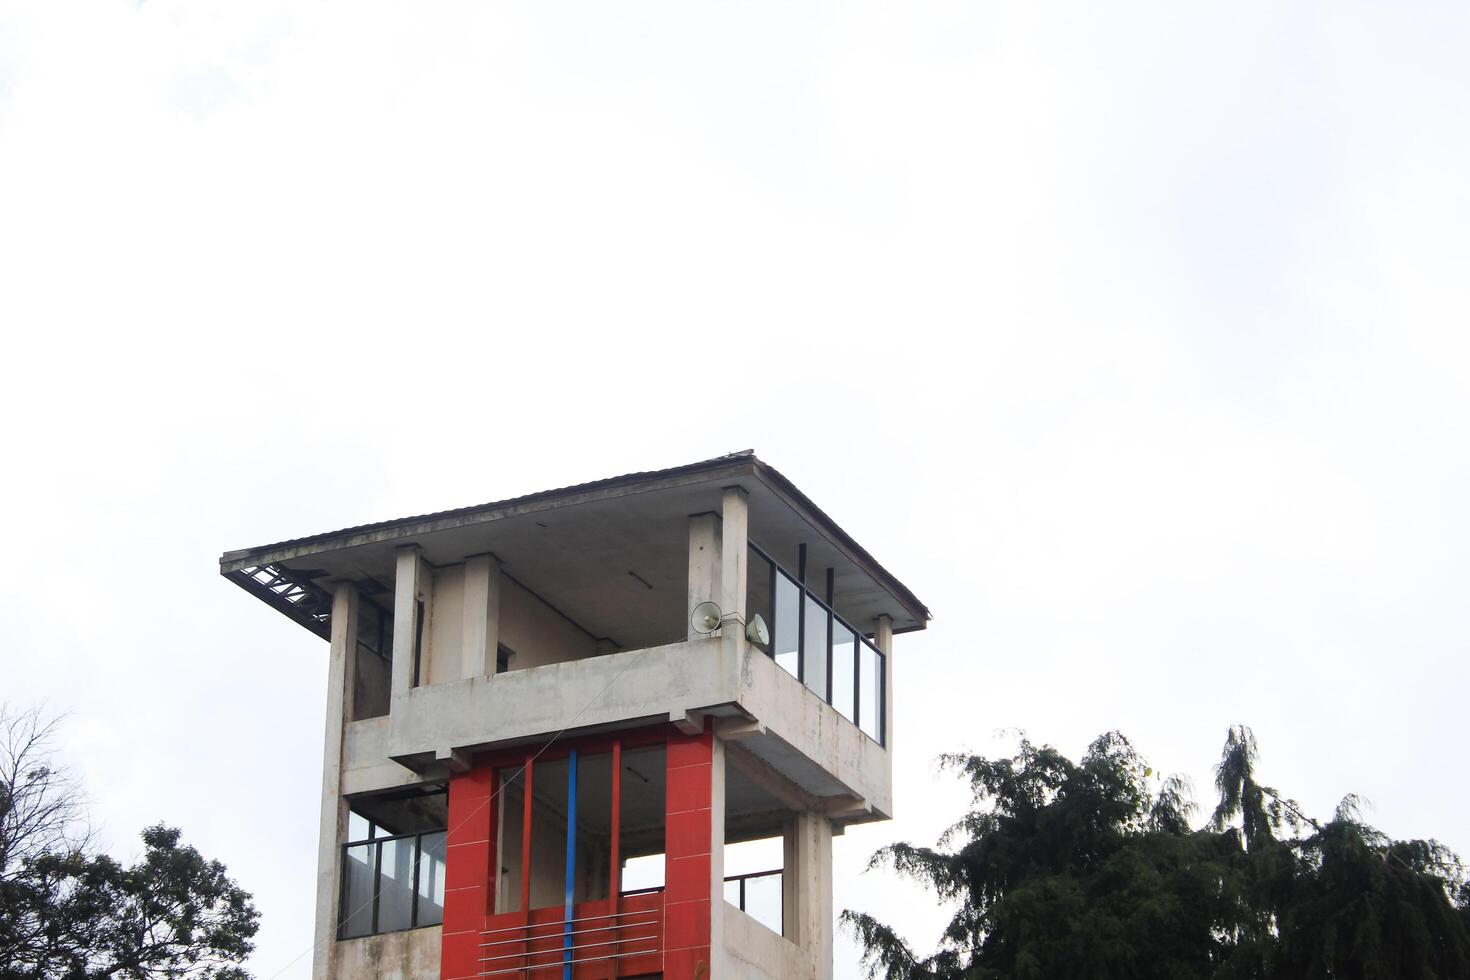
(444, 631)
(409, 955)
(677, 681)
(752, 952)
(536, 632)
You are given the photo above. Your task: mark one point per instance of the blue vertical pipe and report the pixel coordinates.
(566, 970)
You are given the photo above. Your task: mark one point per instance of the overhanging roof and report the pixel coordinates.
(289, 574)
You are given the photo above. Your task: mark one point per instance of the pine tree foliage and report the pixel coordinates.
(1092, 870)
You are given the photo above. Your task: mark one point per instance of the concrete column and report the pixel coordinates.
(333, 828)
(717, 847)
(810, 865)
(883, 640)
(704, 564)
(734, 559)
(791, 881)
(408, 589)
(481, 616)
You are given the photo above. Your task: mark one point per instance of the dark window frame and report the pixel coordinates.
(377, 841)
(881, 701)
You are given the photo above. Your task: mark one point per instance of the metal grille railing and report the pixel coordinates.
(525, 949)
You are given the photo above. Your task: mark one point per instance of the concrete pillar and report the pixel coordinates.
(734, 559)
(810, 865)
(341, 664)
(717, 846)
(883, 640)
(481, 616)
(704, 564)
(408, 590)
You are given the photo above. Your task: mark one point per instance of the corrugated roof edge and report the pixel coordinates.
(762, 469)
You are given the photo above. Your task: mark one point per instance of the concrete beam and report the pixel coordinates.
(456, 760)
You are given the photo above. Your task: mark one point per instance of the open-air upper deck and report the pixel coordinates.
(487, 626)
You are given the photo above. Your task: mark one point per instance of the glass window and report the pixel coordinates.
(431, 880)
(395, 884)
(870, 691)
(786, 631)
(357, 890)
(814, 648)
(758, 592)
(732, 891)
(844, 668)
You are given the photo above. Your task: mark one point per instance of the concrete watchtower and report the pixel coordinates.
(540, 764)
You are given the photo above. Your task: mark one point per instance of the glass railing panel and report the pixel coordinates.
(357, 892)
(431, 880)
(870, 691)
(786, 639)
(395, 884)
(844, 669)
(814, 647)
(760, 591)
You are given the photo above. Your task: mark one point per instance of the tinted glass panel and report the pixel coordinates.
(395, 884)
(844, 669)
(814, 648)
(870, 678)
(431, 880)
(758, 592)
(786, 630)
(357, 896)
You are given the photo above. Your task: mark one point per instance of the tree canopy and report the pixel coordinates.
(70, 913)
(1092, 870)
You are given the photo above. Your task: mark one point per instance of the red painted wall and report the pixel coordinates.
(470, 860)
(469, 889)
(687, 857)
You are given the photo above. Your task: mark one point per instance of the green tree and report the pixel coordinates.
(68, 913)
(1091, 870)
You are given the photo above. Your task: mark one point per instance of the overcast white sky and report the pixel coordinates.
(1131, 336)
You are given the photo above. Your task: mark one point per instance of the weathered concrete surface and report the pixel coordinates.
(752, 952)
(802, 737)
(409, 955)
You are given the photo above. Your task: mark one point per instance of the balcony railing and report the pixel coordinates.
(553, 944)
(392, 883)
(834, 659)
